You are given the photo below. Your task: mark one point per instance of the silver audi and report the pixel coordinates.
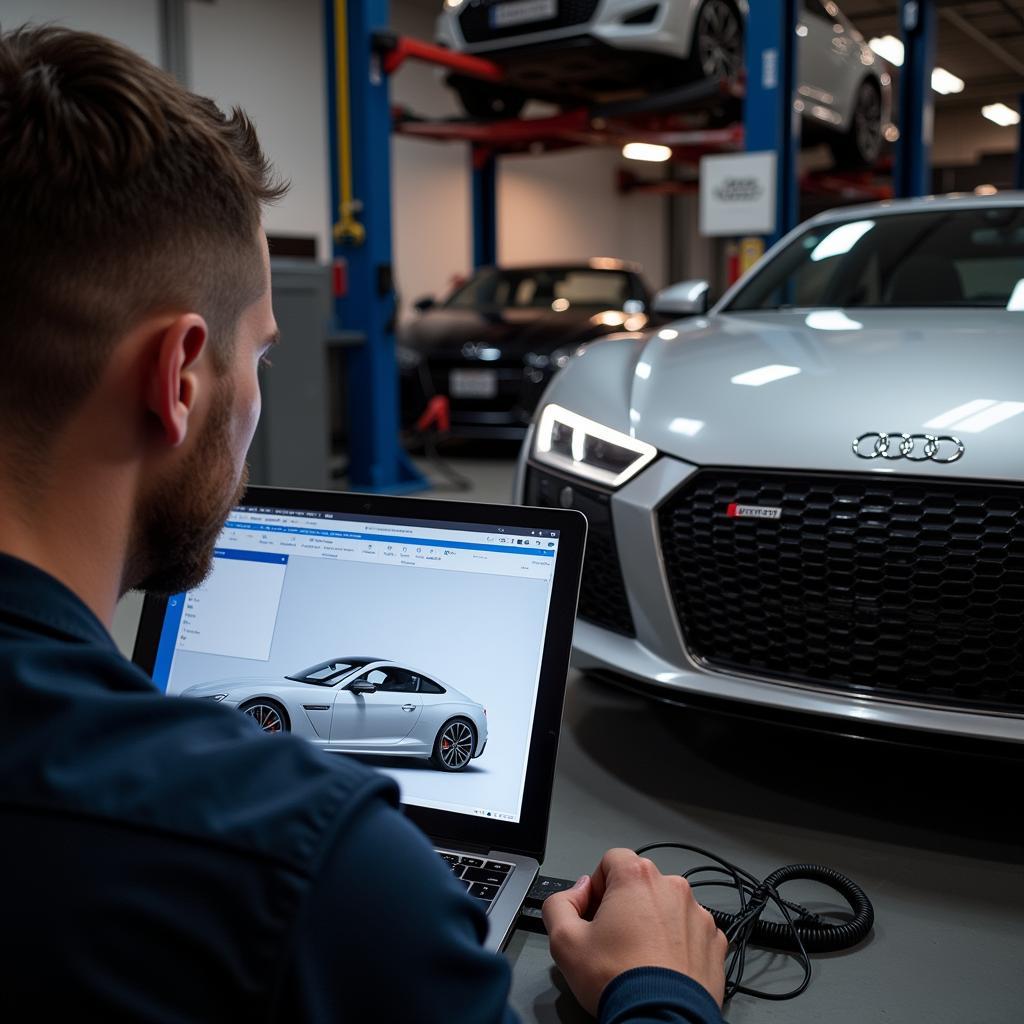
(807, 500)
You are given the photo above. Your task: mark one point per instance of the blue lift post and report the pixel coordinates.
(484, 167)
(770, 119)
(913, 175)
(359, 128)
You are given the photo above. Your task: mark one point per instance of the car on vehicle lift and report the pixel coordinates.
(573, 51)
(491, 347)
(809, 500)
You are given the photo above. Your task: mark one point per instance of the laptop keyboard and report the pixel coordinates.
(482, 878)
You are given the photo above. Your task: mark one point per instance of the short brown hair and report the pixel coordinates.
(121, 194)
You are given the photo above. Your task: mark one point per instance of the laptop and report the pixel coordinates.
(427, 638)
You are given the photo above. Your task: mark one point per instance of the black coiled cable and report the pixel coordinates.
(802, 932)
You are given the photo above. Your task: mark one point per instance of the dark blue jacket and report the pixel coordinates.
(164, 860)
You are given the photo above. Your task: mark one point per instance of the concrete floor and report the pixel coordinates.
(935, 839)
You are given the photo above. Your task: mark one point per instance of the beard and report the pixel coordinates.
(179, 521)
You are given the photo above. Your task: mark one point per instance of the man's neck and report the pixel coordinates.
(78, 534)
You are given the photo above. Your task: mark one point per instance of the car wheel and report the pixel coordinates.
(716, 50)
(862, 144)
(454, 745)
(269, 715)
(487, 102)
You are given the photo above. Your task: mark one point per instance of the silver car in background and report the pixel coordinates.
(570, 51)
(810, 499)
(362, 706)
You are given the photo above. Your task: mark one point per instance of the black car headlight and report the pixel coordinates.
(572, 443)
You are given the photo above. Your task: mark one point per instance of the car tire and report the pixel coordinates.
(487, 102)
(268, 714)
(862, 144)
(451, 753)
(717, 46)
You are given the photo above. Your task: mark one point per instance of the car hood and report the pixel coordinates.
(515, 332)
(236, 683)
(905, 371)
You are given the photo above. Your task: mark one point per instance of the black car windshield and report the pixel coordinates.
(554, 288)
(327, 673)
(938, 258)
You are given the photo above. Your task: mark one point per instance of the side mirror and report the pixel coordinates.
(362, 686)
(688, 298)
(425, 303)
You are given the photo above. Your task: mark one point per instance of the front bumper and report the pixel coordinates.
(652, 651)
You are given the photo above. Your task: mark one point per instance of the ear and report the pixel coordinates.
(174, 381)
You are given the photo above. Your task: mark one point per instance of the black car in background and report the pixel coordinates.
(494, 343)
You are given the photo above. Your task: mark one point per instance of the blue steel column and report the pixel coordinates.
(485, 207)
(362, 237)
(770, 119)
(913, 176)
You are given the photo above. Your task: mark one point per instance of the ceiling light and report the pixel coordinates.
(889, 48)
(986, 190)
(765, 375)
(945, 82)
(646, 151)
(1001, 114)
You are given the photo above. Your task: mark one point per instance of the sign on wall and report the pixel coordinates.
(737, 194)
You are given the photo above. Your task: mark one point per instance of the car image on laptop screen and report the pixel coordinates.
(361, 706)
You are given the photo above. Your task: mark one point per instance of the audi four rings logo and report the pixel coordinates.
(912, 447)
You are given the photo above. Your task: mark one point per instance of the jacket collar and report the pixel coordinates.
(42, 604)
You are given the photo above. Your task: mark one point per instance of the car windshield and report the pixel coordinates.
(327, 673)
(938, 258)
(557, 289)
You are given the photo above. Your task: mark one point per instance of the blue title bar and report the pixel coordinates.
(250, 556)
(505, 549)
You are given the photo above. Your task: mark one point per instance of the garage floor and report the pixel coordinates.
(935, 839)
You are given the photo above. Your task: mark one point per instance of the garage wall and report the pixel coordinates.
(132, 22)
(962, 135)
(268, 57)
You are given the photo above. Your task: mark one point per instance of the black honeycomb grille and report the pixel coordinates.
(603, 598)
(477, 27)
(904, 588)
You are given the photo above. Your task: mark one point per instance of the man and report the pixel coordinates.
(162, 859)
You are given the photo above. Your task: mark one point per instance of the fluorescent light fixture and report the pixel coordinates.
(945, 82)
(681, 425)
(841, 240)
(986, 190)
(889, 48)
(646, 151)
(1016, 303)
(1001, 114)
(560, 305)
(609, 318)
(832, 320)
(585, 448)
(989, 417)
(765, 375)
(488, 355)
(643, 370)
(668, 334)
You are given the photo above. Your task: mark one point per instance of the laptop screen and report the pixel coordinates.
(413, 644)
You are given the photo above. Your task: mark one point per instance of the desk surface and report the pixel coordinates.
(935, 840)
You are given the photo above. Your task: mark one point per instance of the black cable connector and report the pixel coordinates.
(802, 932)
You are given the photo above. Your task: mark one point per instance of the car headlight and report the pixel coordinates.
(213, 696)
(574, 444)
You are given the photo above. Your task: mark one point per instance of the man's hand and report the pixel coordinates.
(628, 914)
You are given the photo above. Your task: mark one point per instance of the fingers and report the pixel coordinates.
(564, 911)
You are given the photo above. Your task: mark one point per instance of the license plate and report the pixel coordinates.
(473, 383)
(523, 11)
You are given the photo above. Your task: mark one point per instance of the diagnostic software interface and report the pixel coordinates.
(415, 645)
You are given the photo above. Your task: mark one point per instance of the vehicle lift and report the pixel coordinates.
(361, 55)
